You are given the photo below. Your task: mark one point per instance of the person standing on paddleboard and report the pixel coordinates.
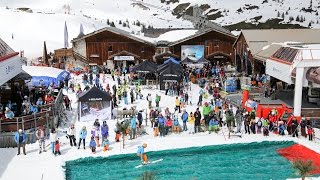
(142, 154)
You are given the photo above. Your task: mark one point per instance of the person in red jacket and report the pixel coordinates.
(310, 133)
(168, 124)
(57, 148)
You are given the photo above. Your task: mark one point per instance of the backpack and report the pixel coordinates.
(259, 124)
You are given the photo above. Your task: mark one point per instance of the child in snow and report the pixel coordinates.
(118, 135)
(57, 148)
(95, 134)
(156, 128)
(265, 127)
(213, 125)
(259, 126)
(142, 154)
(105, 144)
(310, 133)
(176, 125)
(93, 145)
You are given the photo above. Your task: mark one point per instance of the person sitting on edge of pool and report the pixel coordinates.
(142, 154)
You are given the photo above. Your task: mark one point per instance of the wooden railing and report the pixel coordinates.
(81, 58)
(48, 116)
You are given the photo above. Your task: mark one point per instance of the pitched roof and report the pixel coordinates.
(264, 54)
(94, 94)
(5, 50)
(202, 32)
(259, 38)
(115, 31)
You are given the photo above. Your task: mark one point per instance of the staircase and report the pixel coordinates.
(81, 58)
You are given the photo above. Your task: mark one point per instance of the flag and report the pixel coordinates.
(66, 43)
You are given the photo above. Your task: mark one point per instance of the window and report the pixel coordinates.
(207, 50)
(162, 50)
(142, 49)
(110, 48)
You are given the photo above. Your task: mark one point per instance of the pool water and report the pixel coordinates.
(235, 161)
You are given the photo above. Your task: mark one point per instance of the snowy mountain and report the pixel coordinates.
(30, 22)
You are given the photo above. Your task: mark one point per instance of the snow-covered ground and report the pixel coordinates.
(48, 167)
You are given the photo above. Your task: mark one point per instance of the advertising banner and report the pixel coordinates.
(279, 71)
(193, 52)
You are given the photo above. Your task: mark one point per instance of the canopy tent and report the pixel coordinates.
(146, 67)
(169, 72)
(172, 60)
(94, 103)
(187, 61)
(162, 67)
(203, 61)
(44, 76)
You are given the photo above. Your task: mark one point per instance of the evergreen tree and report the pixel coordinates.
(124, 24)
(309, 25)
(112, 24)
(291, 18)
(278, 14)
(282, 16)
(304, 19)
(108, 21)
(317, 13)
(120, 22)
(298, 18)
(287, 12)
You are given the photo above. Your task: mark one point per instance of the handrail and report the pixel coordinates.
(80, 57)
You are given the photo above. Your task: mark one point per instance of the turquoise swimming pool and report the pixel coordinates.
(235, 161)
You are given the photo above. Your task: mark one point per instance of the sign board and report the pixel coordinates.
(279, 71)
(193, 52)
(124, 58)
(9, 68)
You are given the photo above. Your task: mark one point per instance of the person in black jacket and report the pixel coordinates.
(247, 122)
(197, 116)
(294, 127)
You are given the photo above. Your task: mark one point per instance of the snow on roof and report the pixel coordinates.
(176, 35)
(42, 71)
(5, 49)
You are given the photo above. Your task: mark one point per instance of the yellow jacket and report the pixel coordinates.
(191, 119)
(177, 102)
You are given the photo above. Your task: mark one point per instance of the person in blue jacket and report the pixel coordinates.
(39, 102)
(20, 138)
(93, 145)
(104, 130)
(82, 137)
(184, 118)
(133, 127)
(142, 154)
(281, 128)
(162, 124)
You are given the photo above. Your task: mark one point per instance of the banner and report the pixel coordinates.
(193, 52)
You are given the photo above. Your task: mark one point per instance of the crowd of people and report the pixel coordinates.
(211, 114)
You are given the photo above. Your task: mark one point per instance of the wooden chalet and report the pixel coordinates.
(253, 47)
(111, 46)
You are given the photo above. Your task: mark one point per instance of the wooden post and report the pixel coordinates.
(17, 124)
(35, 121)
(47, 116)
(0, 126)
(22, 123)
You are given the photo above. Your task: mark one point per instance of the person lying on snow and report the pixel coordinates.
(142, 154)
